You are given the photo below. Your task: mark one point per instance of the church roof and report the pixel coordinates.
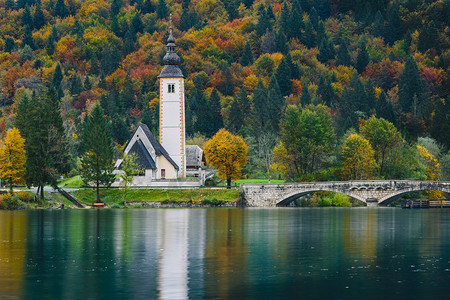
(143, 151)
(171, 59)
(143, 159)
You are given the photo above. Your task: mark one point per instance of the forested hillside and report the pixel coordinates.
(275, 72)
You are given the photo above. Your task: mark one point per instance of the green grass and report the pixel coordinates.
(72, 182)
(259, 181)
(112, 196)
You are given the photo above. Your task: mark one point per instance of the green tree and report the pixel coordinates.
(307, 136)
(60, 9)
(28, 38)
(305, 98)
(97, 159)
(116, 5)
(362, 60)
(383, 137)
(161, 9)
(357, 157)
(40, 123)
(26, 17)
(38, 17)
(227, 153)
(428, 38)
(215, 110)
(12, 158)
(411, 86)
(247, 56)
(343, 56)
(378, 25)
(9, 44)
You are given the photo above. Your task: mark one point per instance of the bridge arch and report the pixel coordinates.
(286, 199)
(397, 194)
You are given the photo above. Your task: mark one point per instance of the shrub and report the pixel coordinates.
(11, 202)
(325, 201)
(115, 205)
(25, 196)
(341, 200)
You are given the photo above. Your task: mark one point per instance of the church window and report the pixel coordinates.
(163, 173)
(171, 88)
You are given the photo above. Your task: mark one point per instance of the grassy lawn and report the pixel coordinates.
(72, 182)
(157, 195)
(259, 181)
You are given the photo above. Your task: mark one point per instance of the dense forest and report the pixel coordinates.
(319, 89)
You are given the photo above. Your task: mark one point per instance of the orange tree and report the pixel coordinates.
(227, 153)
(12, 158)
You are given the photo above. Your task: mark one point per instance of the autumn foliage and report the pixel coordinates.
(12, 158)
(227, 153)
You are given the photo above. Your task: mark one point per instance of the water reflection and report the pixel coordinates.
(224, 253)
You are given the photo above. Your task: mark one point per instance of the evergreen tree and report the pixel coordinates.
(38, 17)
(60, 9)
(325, 90)
(235, 119)
(137, 23)
(227, 86)
(293, 67)
(116, 5)
(362, 60)
(314, 18)
(275, 102)
(309, 38)
(247, 56)
(148, 8)
(215, 110)
(371, 97)
(120, 131)
(260, 113)
(343, 56)
(305, 98)
(98, 152)
(9, 45)
(384, 109)
(428, 38)
(440, 129)
(129, 44)
(40, 123)
(296, 21)
(57, 77)
(324, 51)
(284, 20)
(28, 38)
(321, 34)
(75, 85)
(161, 9)
(411, 85)
(268, 42)
(78, 28)
(323, 8)
(378, 25)
(394, 25)
(201, 109)
(126, 97)
(281, 42)
(26, 17)
(263, 21)
(10, 4)
(283, 75)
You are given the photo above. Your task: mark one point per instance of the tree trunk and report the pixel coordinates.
(98, 192)
(228, 183)
(10, 185)
(42, 192)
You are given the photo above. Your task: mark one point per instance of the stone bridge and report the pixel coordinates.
(372, 192)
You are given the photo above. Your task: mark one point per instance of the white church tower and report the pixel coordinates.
(171, 112)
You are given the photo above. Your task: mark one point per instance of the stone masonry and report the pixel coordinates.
(372, 192)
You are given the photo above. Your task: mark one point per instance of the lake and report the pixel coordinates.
(307, 253)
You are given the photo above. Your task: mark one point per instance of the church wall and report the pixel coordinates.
(163, 163)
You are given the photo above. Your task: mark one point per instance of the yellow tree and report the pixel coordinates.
(227, 153)
(432, 170)
(358, 162)
(12, 158)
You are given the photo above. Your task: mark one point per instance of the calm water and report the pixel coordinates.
(225, 253)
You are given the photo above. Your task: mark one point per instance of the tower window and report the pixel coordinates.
(171, 88)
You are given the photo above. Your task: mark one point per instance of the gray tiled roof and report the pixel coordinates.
(143, 158)
(194, 155)
(171, 71)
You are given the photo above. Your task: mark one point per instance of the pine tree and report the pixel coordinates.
(305, 98)
(411, 85)
(283, 75)
(314, 17)
(247, 55)
(362, 60)
(296, 21)
(370, 95)
(38, 17)
(87, 86)
(120, 131)
(161, 9)
(10, 4)
(321, 34)
(75, 85)
(116, 5)
(9, 45)
(57, 77)
(60, 9)
(148, 8)
(343, 56)
(263, 21)
(260, 113)
(77, 28)
(26, 17)
(126, 97)
(293, 67)
(281, 42)
(394, 25)
(428, 38)
(384, 109)
(284, 20)
(28, 38)
(137, 23)
(98, 152)
(215, 110)
(235, 118)
(324, 51)
(440, 129)
(275, 102)
(40, 123)
(378, 25)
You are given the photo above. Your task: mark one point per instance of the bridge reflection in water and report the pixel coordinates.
(372, 192)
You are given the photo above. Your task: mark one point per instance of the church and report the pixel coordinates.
(164, 162)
